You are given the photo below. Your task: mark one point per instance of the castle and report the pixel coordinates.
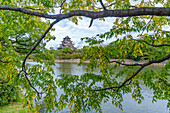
(66, 43)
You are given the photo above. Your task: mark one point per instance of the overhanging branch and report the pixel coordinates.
(124, 83)
(155, 11)
(114, 61)
(134, 74)
(125, 63)
(42, 37)
(24, 62)
(158, 45)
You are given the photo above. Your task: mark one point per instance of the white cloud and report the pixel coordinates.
(76, 32)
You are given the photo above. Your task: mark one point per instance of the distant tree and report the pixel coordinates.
(66, 50)
(56, 53)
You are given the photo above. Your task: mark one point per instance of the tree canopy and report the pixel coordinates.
(140, 28)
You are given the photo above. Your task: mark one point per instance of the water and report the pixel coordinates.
(129, 105)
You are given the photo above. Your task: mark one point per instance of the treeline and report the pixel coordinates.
(67, 53)
(143, 54)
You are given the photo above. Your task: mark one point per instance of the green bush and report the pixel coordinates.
(66, 50)
(8, 92)
(76, 56)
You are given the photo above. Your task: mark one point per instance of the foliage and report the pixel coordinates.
(66, 50)
(8, 92)
(66, 53)
(56, 53)
(15, 107)
(135, 31)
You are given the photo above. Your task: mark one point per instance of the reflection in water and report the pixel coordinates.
(69, 68)
(129, 105)
(43, 107)
(65, 68)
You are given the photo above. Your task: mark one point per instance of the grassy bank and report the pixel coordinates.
(15, 107)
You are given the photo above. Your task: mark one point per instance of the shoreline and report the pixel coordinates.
(127, 61)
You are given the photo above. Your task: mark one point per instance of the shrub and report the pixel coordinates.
(8, 92)
(76, 56)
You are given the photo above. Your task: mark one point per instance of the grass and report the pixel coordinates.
(15, 107)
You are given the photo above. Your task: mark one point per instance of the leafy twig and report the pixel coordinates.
(125, 63)
(147, 25)
(23, 64)
(106, 6)
(62, 5)
(158, 45)
(101, 2)
(134, 74)
(4, 61)
(121, 62)
(33, 9)
(164, 81)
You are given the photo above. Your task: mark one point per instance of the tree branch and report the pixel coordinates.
(32, 85)
(111, 4)
(32, 9)
(130, 78)
(147, 25)
(19, 73)
(123, 84)
(164, 81)
(23, 64)
(134, 7)
(101, 2)
(62, 3)
(91, 22)
(155, 11)
(106, 6)
(125, 63)
(121, 62)
(4, 61)
(160, 45)
(42, 37)
(157, 61)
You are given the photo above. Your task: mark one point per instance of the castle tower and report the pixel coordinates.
(66, 43)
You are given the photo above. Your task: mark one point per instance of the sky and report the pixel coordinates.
(76, 32)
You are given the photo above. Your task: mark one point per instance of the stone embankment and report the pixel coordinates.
(127, 61)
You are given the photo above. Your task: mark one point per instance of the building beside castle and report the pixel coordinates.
(66, 43)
